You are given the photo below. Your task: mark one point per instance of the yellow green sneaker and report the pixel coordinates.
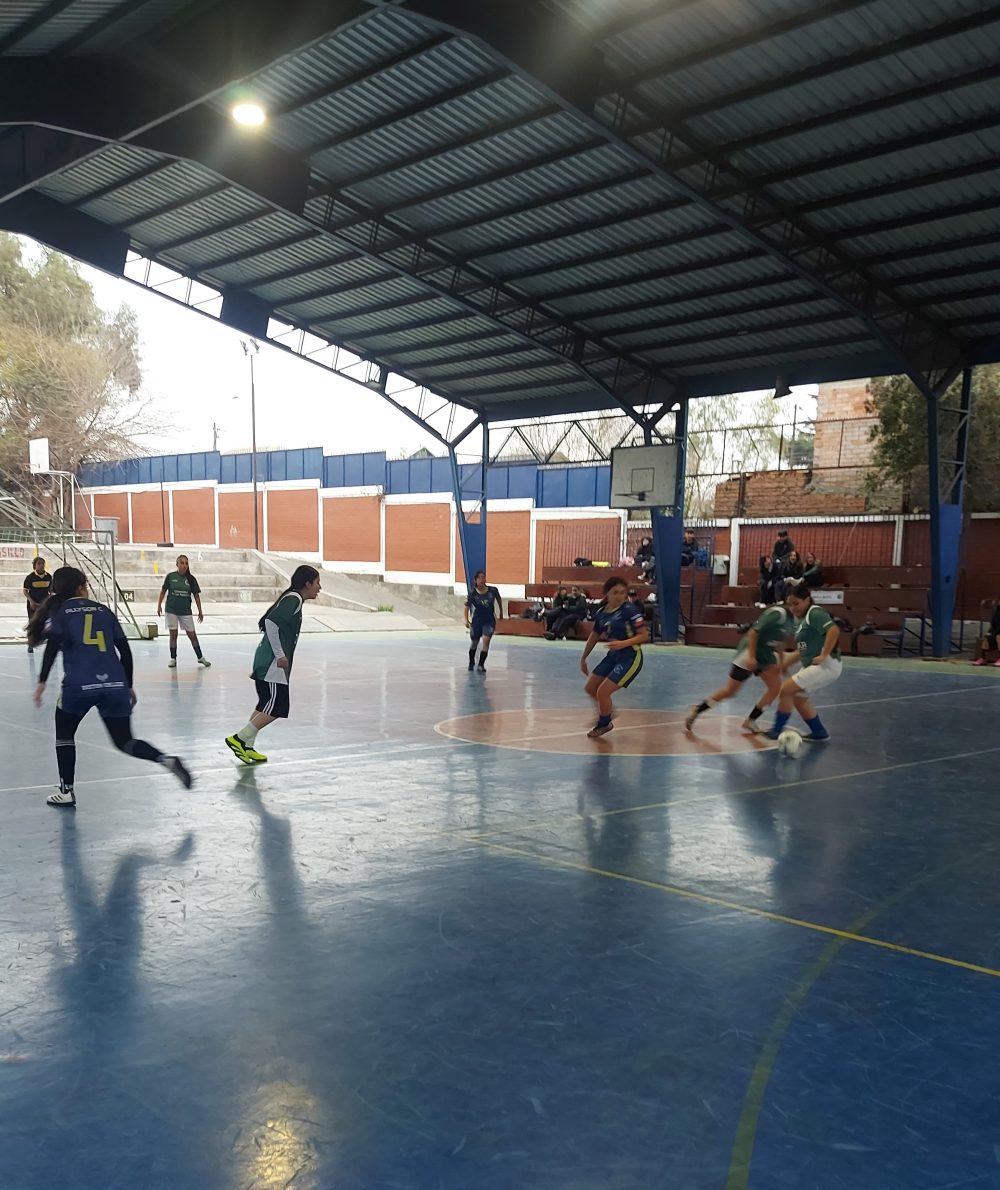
(243, 752)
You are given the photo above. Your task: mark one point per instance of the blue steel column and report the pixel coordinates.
(946, 514)
(668, 536)
(471, 537)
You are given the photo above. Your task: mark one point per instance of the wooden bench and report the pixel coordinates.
(507, 626)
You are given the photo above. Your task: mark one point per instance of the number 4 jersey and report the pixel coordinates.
(86, 634)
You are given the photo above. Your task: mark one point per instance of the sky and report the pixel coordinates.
(196, 375)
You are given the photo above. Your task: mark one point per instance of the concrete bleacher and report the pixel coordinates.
(883, 608)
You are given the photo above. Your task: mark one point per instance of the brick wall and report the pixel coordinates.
(236, 520)
(150, 517)
(788, 493)
(194, 516)
(293, 520)
(508, 548)
(557, 543)
(352, 529)
(417, 538)
(114, 504)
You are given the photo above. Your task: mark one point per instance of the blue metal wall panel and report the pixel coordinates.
(522, 482)
(373, 468)
(581, 486)
(397, 477)
(354, 471)
(552, 488)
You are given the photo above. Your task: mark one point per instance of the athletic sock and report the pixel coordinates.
(248, 735)
(472, 653)
(197, 651)
(781, 720)
(703, 706)
(173, 652)
(143, 751)
(815, 725)
(66, 761)
(603, 720)
(755, 714)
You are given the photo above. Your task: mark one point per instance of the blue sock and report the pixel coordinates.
(781, 720)
(603, 720)
(815, 725)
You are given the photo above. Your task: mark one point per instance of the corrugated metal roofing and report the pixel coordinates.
(683, 228)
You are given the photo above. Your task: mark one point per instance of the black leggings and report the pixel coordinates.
(120, 731)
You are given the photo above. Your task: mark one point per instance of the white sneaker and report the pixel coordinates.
(202, 661)
(691, 716)
(172, 663)
(754, 726)
(65, 797)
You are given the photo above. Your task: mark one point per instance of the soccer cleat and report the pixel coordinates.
(65, 797)
(202, 661)
(174, 764)
(599, 729)
(754, 726)
(245, 753)
(817, 737)
(691, 716)
(172, 663)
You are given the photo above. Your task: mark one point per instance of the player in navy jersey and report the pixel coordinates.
(620, 627)
(480, 618)
(97, 672)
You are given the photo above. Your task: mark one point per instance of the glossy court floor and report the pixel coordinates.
(392, 957)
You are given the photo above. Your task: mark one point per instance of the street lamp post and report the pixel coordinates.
(251, 348)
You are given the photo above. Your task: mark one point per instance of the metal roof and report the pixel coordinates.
(532, 206)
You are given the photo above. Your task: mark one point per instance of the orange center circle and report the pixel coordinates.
(636, 732)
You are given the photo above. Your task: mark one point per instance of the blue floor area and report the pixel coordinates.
(389, 958)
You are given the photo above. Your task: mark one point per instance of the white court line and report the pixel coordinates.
(234, 768)
(50, 734)
(864, 702)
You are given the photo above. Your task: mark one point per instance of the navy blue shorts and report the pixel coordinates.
(621, 667)
(109, 702)
(482, 627)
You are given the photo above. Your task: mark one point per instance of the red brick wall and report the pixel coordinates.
(293, 520)
(508, 548)
(114, 504)
(837, 543)
(352, 529)
(788, 493)
(557, 543)
(194, 516)
(149, 516)
(417, 537)
(236, 520)
(82, 508)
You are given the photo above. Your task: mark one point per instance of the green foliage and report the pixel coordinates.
(900, 439)
(69, 372)
(385, 607)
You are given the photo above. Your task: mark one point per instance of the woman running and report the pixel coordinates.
(481, 619)
(97, 672)
(272, 663)
(620, 627)
(816, 636)
(755, 654)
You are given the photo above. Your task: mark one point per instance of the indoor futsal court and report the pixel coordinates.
(442, 939)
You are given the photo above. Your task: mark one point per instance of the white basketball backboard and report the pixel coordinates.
(644, 476)
(38, 455)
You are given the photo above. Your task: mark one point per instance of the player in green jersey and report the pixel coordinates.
(272, 662)
(179, 587)
(816, 636)
(757, 653)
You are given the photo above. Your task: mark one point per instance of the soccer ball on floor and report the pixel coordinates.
(789, 742)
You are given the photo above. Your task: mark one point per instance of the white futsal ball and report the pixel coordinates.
(789, 742)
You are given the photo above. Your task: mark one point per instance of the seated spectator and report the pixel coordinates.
(812, 575)
(689, 548)
(645, 559)
(790, 570)
(572, 611)
(767, 581)
(553, 614)
(988, 644)
(782, 547)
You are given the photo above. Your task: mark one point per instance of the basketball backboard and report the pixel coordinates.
(644, 476)
(38, 455)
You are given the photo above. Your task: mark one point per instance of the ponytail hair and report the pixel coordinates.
(302, 576)
(66, 581)
(799, 590)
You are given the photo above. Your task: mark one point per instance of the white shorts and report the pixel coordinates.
(184, 623)
(814, 677)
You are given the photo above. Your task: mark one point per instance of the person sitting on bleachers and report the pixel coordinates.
(790, 571)
(573, 610)
(644, 559)
(556, 610)
(782, 547)
(812, 575)
(767, 582)
(689, 548)
(989, 642)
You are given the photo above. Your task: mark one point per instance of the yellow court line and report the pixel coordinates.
(708, 797)
(736, 907)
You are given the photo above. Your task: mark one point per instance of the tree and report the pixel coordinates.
(69, 371)
(900, 439)
(725, 437)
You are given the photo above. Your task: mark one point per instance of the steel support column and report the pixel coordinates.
(946, 481)
(668, 536)
(471, 535)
